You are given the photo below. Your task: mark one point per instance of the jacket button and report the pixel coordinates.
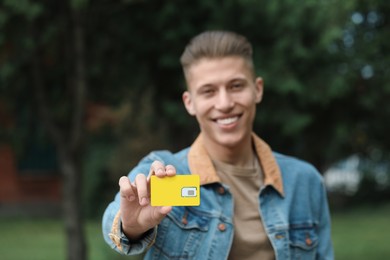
(308, 240)
(221, 190)
(221, 227)
(279, 236)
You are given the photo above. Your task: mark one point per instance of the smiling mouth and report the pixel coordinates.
(227, 121)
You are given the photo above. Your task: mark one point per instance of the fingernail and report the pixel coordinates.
(160, 171)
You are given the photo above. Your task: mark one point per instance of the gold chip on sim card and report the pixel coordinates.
(178, 190)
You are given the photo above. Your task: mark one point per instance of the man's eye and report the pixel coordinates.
(237, 85)
(207, 91)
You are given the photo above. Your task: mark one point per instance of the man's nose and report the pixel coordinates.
(224, 101)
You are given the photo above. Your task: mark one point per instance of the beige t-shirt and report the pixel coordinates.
(250, 240)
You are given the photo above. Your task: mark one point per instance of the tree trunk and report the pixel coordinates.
(69, 141)
(71, 162)
(71, 169)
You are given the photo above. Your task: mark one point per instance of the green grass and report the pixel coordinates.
(361, 233)
(43, 239)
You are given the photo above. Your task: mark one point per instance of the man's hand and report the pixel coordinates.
(138, 216)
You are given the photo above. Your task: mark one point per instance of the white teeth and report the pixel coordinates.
(226, 121)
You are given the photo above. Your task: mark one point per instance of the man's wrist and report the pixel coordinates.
(132, 234)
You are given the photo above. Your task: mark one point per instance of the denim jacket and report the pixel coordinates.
(293, 208)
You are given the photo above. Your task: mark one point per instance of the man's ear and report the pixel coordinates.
(187, 100)
(259, 85)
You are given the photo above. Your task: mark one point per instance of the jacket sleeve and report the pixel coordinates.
(112, 224)
(325, 247)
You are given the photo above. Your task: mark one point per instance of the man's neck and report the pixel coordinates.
(242, 155)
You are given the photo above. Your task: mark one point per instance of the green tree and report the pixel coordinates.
(45, 65)
(325, 66)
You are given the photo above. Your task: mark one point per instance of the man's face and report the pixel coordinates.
(222, 94)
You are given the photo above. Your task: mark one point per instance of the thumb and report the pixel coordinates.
(161, 212)
(165, 210)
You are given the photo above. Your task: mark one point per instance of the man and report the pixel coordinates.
(255, 204)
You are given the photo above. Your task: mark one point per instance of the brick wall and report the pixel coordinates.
(26, 187)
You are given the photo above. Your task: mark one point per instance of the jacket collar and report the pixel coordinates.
(200, 163)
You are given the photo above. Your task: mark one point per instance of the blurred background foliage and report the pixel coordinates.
(325, 65)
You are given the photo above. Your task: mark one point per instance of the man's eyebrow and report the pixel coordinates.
(240, 79)
(237, 79)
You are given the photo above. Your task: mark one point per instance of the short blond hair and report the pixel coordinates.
(217, 44)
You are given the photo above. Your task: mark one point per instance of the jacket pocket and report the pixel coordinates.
(303, 241)
(180, 233)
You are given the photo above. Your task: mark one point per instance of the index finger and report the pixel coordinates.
(170, 170)
(157, 168)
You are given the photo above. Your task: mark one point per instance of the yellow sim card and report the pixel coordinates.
(178, 190)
